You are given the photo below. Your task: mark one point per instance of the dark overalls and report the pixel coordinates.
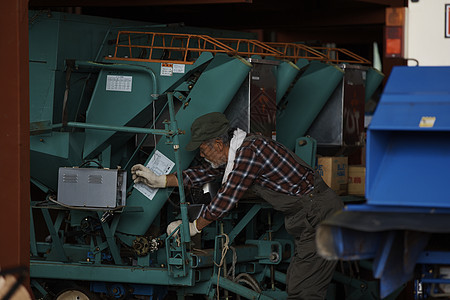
(308, 274)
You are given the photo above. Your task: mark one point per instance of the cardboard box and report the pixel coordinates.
(334, 171)
(356, 180)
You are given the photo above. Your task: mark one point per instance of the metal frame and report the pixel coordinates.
(169, 45)
(167, 42)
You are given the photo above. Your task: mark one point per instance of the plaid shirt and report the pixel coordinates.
(258, 161)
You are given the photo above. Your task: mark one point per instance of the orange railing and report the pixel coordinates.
(164, 47)
(186, 48)
(294, 51)
(246, 47)
(340, 55)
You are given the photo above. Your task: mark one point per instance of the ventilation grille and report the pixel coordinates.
(70, 178)
(97, 179)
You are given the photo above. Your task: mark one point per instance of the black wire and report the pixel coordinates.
(91, 161)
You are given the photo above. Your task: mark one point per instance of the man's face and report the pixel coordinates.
(214, 153)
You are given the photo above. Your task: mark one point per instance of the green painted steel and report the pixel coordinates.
(373, 81)
(286, 74)
(56, 37)
(213, 91)
(133, 107)
(280, 277)
(116, 128)
(74, 117)
(50, 151)
(305, 100)
(109, 273)
(251, 213)
(244, 253)
(53, 38)
(266, 250)
(302, 62)
(239, 289)
(42, 86)
(306, 148)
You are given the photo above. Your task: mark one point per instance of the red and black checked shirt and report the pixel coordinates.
(258, 161)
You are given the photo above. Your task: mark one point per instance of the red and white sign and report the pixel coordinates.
(447, 20)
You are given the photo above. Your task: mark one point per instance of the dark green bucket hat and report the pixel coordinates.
(207, 127)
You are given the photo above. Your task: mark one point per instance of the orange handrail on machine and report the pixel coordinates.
(293, 51)
(248, 47)
(341, 55)
(186, 48)
(164, 47)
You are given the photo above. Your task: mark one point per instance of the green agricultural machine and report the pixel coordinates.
(106, 94)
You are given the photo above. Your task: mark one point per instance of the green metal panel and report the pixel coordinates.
(306, 99)
(286, 74)
(305, 148)
(53, 38)
(302, 62)
(117, 108)
(111, 273)
(212, 92)
(133, 108)
(43, 38)
(373, 81)
(77, 97)
(49, 152)
(240, 289)
(42, 85)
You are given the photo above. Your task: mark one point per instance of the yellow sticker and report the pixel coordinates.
(427, 122)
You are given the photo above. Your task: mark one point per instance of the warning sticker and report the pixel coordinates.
(166, 69)
(427, 122)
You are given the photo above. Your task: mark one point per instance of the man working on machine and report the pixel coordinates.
(273, 173)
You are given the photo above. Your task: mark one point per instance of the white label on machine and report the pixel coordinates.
(119, 83)
(427, 122)
(178, 68)
(447, 20)
(166, 69)
(160, 165)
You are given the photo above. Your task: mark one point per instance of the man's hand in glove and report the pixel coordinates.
(192, 227)
(145, 175)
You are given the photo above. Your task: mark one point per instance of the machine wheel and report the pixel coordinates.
(75, 294)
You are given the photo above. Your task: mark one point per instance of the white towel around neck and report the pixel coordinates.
(238, 137)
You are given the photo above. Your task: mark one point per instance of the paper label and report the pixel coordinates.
(160, 165)
(119, 83)
(427, 122)
(447, 20)
(166, 69)
(178, 68)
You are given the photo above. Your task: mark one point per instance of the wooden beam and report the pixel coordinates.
(288, 20)
(14, 136)
(120, 3)
(389, 3)
(339, 35)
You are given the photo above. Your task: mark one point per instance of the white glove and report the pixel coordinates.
(145, 175)
(192, 227)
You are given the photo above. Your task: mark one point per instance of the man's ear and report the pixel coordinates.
(219, 144)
